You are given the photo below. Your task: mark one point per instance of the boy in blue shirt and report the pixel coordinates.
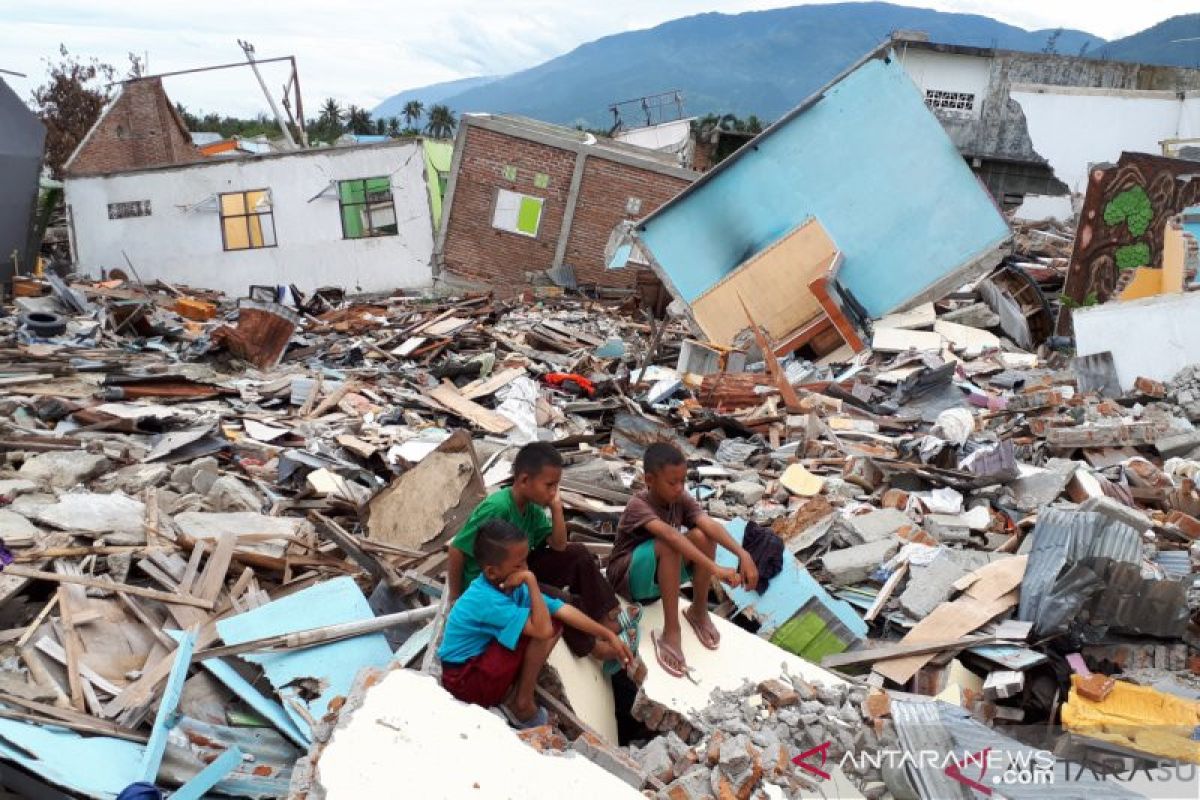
(502, 628)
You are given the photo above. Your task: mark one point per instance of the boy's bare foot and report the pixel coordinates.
(697, 616)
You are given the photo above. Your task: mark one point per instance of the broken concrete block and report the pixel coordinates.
(746, 493)
(735, 755)
(95, 513)
(16, 486)
(16, 531)
(133, 478)
(1170, 445)
(229, 494)
(1002, 684)
(1118, 511)
(930, 585)
(855, 564)
(609, 758)
(655, 759)
(692, 785)
(878, 525)
(64, 468)
(1037, 488)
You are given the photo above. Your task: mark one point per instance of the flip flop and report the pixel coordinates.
(540, 717)
(629, 621)
(659, 647)
(710, 637)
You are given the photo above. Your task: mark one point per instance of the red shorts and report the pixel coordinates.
(486, 678)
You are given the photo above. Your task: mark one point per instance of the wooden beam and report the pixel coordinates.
(872, 654)
(845, 328)
(112, 586)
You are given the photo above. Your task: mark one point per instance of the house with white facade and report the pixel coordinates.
(1031, 125)
(138, 191)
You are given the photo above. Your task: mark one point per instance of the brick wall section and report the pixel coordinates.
(476, 251)
(141, 129)
(603, 195)
(479, 252)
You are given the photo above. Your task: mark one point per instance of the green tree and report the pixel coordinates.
(412, 112)
(441, 122)
(358, 120)
(393, 126)
(69, 103)
(329, 122)
(381, 126)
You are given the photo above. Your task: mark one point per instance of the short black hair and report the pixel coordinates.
(493, 539)
(535, 457)
(659, 455)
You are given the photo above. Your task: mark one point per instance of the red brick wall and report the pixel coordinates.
(477, 251)
(141, 129)
(473, 248)
(603, 195)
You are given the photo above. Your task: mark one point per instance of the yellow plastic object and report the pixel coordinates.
(1139, 717)
(797, 480)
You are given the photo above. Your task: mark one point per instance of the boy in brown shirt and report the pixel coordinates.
(653, 556)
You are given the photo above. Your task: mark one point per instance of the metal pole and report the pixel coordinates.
(287, 134)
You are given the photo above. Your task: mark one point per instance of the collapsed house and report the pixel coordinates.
(526, 198)
(22, 140)
(1032, 124)
(804, 232)
(140, 196)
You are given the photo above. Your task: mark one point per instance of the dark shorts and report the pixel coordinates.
(486, 678)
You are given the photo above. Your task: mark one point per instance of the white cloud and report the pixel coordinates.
(364, 51)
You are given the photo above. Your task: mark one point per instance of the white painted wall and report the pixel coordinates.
(1073, 127)
(184, 246)
(949, 72)
(665, 136)
(1150, 338)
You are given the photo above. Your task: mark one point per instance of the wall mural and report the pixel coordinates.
(1121, 225)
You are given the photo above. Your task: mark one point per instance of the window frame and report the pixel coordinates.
(245, 215)
(541, 201)
(367, 203)
(954, 102)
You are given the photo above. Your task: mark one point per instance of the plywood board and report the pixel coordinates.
(773, 285)
(448, 397)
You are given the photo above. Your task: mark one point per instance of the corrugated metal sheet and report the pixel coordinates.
(933, 723)
(1070, 536)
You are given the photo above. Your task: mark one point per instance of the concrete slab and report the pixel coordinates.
(741, 657)
(854, 564)
(588, 690)
(411, 738)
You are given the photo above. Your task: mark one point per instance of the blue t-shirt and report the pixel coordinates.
(484, 613)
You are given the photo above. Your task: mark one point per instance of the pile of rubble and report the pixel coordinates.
(218, 512)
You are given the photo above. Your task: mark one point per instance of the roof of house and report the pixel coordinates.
(579, 141)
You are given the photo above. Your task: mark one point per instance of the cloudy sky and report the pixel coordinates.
(363, 51)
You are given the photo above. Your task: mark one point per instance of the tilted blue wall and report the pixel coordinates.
(872, 164)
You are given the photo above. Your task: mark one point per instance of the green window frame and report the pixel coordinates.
(518, 213)
(367, 208)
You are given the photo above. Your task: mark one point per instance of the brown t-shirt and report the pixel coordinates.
(631, 530)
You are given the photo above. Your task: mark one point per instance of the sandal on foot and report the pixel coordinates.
(708, 635)
(677, 670)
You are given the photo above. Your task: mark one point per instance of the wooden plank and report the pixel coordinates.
(97, 583)
(478, 389)
(197, 788)
(72, 646)
(212, 579)
(871, 655)
(377, 568)
(55, 651)
(448, 397)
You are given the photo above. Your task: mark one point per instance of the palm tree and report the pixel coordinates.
(331, 114)
(412, 112)
(380, 126)
(358, 120)
(441, 122)
(754, 124)
(393, 126)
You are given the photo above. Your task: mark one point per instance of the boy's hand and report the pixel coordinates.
(730, 576)
(556, 503)
(517, 578)
(748, 571)
(624, 654)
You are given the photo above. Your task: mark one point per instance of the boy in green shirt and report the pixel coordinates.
(537, 469)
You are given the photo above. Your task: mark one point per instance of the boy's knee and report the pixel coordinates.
(576, 554)
(665, 553)
(702, 542)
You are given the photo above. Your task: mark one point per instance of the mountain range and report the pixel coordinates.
(762, 62)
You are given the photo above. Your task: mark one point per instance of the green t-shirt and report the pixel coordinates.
(535, 523)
